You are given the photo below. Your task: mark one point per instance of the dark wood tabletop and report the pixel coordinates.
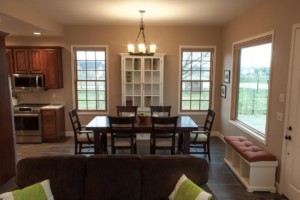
(100, 126)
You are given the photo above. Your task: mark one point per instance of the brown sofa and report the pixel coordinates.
(112, 177)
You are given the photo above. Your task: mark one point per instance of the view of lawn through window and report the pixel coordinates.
(91, 80)
(196, 79)
(253, 86)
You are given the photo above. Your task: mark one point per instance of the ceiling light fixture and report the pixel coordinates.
(36, 33)
(142, 51)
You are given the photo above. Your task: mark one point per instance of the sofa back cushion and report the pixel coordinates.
(160, 174)
(113, 177)
(66, 174)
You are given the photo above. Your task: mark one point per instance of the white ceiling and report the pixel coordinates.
(22, 17)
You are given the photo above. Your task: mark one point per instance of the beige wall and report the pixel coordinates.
(278, 16)
(168, 40)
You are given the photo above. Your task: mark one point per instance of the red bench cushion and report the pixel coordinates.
(248, 150)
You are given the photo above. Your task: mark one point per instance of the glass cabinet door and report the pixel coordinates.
(133, 82)
(152, 82)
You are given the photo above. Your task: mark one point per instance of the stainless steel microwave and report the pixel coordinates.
(28, 81)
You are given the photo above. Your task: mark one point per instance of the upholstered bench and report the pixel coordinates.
(253, 166)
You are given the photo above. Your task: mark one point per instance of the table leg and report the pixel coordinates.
(97, 142)
(186, 141)
(104, 142)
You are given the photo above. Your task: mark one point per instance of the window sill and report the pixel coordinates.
(249, 131)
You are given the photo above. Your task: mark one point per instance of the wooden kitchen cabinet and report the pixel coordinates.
(28, 61)
(52, 68)
(53, 124)
(38, 60)
(9, 62)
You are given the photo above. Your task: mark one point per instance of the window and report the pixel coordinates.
(90, 79)
(251, 89)
(196, 79)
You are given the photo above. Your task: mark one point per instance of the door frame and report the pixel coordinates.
(287, 106)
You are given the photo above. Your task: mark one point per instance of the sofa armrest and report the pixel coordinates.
(10, 185)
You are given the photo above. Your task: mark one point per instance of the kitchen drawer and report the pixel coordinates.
(49, 133)
(48, 113)
(49, 120)
(49, 127)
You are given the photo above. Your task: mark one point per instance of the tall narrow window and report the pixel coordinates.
(90, 79)
(252, 68)
(196, 79)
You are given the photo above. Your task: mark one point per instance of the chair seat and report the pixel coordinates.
(163, 142)
(200, 138)
(83, 138)
(120, 142)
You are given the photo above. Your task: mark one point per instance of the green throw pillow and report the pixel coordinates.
(40, 191)
(185, 189)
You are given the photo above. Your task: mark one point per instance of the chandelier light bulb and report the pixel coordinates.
(142, 48)
(152, 48)
(130, 48)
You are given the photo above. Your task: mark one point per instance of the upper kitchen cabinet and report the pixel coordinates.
(28, 60)
(52, 68)
(37, 60)
(9, 62)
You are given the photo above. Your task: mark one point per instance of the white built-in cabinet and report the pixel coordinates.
(142, 80)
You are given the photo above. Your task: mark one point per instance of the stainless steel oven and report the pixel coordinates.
(28, 126)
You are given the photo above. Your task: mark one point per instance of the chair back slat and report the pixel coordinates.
(127, 111)
(209, 120)
(161, 110)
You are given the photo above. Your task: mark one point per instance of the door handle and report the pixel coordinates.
(288, 137)
(290, 128)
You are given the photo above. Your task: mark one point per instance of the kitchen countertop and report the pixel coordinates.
(53, 106)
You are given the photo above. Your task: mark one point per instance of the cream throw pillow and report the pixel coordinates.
(37, 191)
(185, 189)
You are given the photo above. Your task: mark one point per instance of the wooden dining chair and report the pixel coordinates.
(163, 133)
(83, 138)
(201, 138)
(160, 111)
(122, 132)
(125, 111)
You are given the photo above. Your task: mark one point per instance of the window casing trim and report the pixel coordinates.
(236, 46)
(213, 49)
(73, 75)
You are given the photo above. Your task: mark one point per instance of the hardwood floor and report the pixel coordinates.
(221, 180)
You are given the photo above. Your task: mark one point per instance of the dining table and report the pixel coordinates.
(100, 126)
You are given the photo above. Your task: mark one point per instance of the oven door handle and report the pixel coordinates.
(26, 114)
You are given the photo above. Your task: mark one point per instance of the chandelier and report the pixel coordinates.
(142, 50)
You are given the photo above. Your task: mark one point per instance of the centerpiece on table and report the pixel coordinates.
(143, 116)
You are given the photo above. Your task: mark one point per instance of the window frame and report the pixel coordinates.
(212, 49)
(236, 47)
(75, 48)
